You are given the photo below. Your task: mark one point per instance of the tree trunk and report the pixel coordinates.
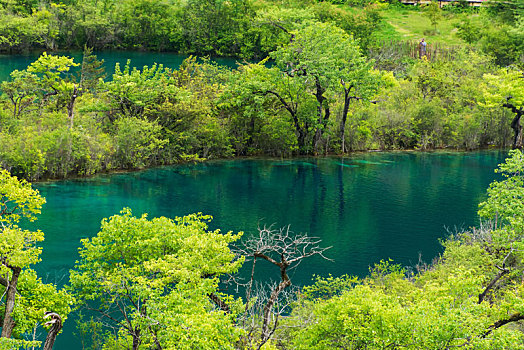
(292, 109)
(347, 99)
(56, 322)
(286, 282)
(9, 322)
(71, 106)
(322, 119)
(136, 338)
(516, 124)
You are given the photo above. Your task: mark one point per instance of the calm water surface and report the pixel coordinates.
(8, 63)
(368, 207)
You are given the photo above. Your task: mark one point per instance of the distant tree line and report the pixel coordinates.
(309, 101)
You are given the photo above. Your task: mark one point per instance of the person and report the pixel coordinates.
(422, 48)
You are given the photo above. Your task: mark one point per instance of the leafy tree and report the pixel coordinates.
(138, 142)
(145, 23)
(20, 31)
(259, 99)
(41, 80)
(325, 59)
(20, 90)
(153, 281)
(434, 13)
(215, 26)
(92, 70)
(133, 92)
(50, 70)
(362, 25)
(507, 89)
(468, 31)
(25, 297)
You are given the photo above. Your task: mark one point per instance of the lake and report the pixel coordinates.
(367, 207)
(8, 63)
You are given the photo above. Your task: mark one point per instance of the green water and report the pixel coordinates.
(8, 63)
(368, 207)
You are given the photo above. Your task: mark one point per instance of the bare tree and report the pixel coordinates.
(286, 251)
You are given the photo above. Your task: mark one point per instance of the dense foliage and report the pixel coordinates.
(326, 83)
(321, 79)
(310, 100)
(150, 280)
(25, 297)
(243, 28)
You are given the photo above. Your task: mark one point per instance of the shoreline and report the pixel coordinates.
(205, 160)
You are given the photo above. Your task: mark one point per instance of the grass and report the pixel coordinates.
(412, 23)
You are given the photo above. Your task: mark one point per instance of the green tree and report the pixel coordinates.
(20, 90)
(153, 280)
(92, 70)
(145, 23)
(25, 297)
(43, 79)
(434, 13)
(215, 26)
(325, 59)
(506, 88)
(265, 110)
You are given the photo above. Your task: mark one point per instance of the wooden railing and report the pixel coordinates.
(441, 2)
(410, 48)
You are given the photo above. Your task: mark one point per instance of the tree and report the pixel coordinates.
(285, 250)
(20, 90)
(145, 23)
(153, 282)
(325, 59)
(41, 80)
(133, 92)
(507, 89)
(19, 251)
(215, 26)
(92, 70)
(26, 297)
(257, 99)
(434, 13)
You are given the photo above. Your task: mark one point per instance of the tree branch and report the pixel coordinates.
(514, 318)
(220, 303)
(503, 271)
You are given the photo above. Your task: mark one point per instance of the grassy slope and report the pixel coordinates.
(411, 23)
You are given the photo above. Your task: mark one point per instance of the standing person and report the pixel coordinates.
(422, 48)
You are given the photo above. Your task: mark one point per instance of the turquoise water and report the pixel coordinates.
(8, 63)
(367, 207)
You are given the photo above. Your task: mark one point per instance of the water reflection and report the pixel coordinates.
(368, 207)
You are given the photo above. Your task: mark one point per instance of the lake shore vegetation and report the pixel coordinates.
(322, 79)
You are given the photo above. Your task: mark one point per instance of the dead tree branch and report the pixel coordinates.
(285, 250)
